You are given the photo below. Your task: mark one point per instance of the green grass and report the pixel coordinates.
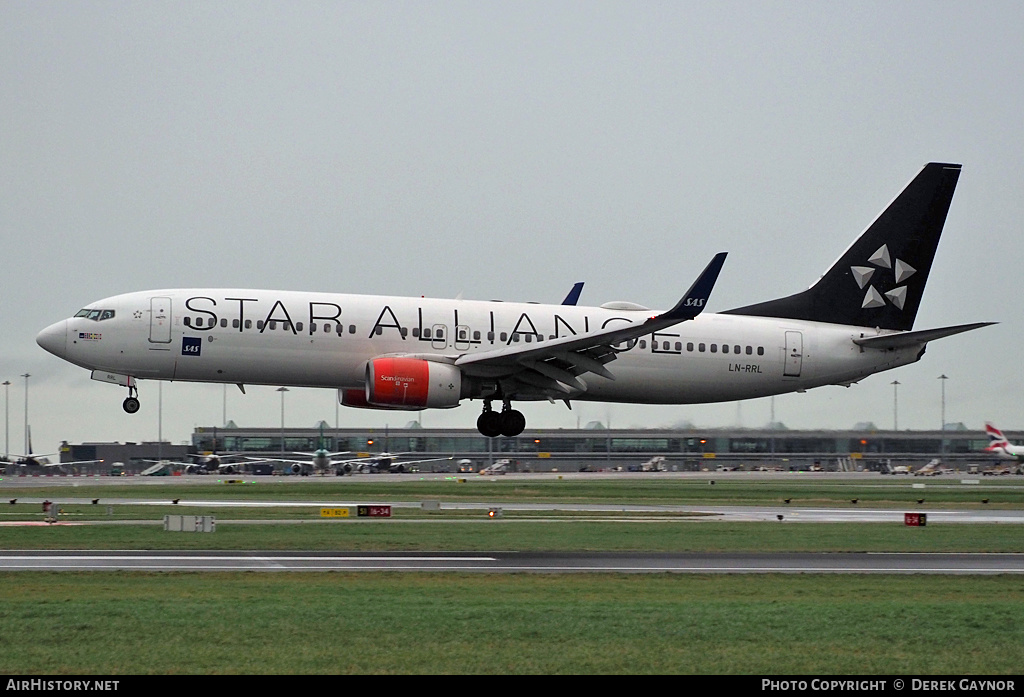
(571, 535)
(143, 623)
(100, 623)
(876, 491)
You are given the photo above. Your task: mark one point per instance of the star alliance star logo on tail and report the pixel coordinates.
(882, 260)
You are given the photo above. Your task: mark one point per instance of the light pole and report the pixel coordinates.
(943, 378)
(160, 420)
(895, 405)
(7, 418)
(282, 390)
(27, 437)
(943, 429)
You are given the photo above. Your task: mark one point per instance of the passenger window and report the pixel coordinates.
(689, 345)
(248, 324)
(223, 323)
(700, 347)
(476, 336)
(351, 329)
(714, 348)
(736, 349)
(426, 332)
(760, 350)
(439, 334)
(416, 332)
(298, 327)
(679, 346)
(643, 343)
(490, 336)
(725, 348)
(528, 337)
(504, 337)
(750, 350)
(259, 324)
(235, 324)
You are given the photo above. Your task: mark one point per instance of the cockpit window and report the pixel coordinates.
(95, 315)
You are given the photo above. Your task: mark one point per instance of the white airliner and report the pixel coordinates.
(319, 461)
(384, 462)
(999, 445)
(415, 353)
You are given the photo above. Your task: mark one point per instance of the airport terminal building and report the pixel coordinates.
(599, 448)
(572, 450)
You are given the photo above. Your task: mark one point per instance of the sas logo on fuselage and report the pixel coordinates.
(191, 346)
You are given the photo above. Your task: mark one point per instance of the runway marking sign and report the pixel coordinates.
(334, 513)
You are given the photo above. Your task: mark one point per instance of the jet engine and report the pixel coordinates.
(412, 383)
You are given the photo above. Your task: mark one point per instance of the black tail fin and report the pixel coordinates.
(879, 280)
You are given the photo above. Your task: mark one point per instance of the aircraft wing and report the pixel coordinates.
(74, 462)
(340, 452)
(552, 366)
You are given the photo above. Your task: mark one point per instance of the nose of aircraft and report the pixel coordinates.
(54, 338)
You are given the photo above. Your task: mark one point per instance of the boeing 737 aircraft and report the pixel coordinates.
(416, 353)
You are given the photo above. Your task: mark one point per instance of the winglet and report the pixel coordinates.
(691, 304)
(574, 295)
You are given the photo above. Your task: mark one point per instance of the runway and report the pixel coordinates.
(515, 562)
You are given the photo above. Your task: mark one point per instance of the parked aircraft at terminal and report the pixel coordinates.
(414, 353)
(999, 445)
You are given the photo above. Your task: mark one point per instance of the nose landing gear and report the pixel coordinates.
(131, 403)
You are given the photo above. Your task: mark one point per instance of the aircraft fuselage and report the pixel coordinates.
(259, 337)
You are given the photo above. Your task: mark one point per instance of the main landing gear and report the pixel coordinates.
(131, 403)
(510, 422)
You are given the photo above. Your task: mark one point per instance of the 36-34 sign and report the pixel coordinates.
(373, 511)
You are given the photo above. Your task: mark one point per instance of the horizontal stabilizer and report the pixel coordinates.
(905, 339)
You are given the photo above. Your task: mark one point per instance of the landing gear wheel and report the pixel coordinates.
(131, 405)
(512, 422)
(489, 424)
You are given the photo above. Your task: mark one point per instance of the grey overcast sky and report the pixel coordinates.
(501, 150)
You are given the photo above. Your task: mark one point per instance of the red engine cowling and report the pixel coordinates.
(412, 383)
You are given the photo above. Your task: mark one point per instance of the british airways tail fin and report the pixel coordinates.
(880, 278)
(995, 436)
